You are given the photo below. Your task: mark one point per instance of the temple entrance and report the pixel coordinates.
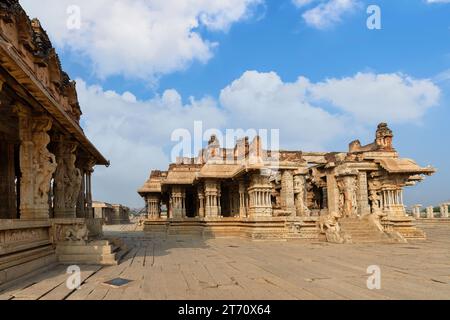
(225, 200)
(191, 203)
(229, 199)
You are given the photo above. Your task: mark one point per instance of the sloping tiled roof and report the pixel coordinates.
(403, 166)
(151, 186)
(219, 170)
(180, 177)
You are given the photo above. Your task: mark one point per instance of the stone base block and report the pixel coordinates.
(96, 252)
(18, 265)
(406, 226)
(155, 226)
(259, 228)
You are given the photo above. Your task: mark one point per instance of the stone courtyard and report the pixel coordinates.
(186, 267)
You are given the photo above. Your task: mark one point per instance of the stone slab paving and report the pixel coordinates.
(193, 268)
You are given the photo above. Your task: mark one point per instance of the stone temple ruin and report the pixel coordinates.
(354, 196)
(46, 161)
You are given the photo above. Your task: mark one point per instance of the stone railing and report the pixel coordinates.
(430, 212)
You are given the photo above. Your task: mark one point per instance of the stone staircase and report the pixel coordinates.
(98, 252)
(363, 230)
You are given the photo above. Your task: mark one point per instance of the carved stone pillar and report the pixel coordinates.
(416, 211)
(89, 199)
(242, 199)
(347, 184)
(363, 194)
(430, 212)
(212, 195)
(445, 210)
(287, 192)
(392, 201)
(260, 191)
(201, 202)
(300, 195)
(8, 195)
(37, 164)
(68, 180)
(178, 197)
(154, 206)
(81, 201)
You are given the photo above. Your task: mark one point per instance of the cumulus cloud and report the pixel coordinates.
(263, 100)
(325, 13)
(372, 97)
(136, 135)
(140, 38)
(302, 3)
(438, 1)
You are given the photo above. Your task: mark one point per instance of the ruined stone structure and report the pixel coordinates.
(46, 161)
(112, 214)
(339, 197)
(430, 212)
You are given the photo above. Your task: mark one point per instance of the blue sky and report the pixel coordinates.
(218, 70)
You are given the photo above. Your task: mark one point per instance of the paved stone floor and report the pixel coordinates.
(193, 268)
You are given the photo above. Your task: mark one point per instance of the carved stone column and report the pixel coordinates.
(392, 201)
(37, 164)
(416, 211)
(212, 195)
(201, 202)
(445, 210)
(287, 192)
(178, 202)
(300, 195)
(363, 194)
(8, 195)
(347, 184)
(68, 180)
(260, 191)
(242, 199)
(430, 212)
(154, 206)
(81, 201)
(89, 199)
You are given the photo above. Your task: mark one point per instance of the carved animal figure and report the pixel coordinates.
(77, 233)
(329, 221)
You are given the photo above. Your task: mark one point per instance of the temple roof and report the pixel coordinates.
(223, 171)
(180, 177)
(393, 165)
(150, 187)
(33, 69)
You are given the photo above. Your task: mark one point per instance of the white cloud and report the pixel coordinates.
(135, 135)
(263, 100)
(302, 3)
(325, 13)
(438, 1)
(140, 38)
(376, 97)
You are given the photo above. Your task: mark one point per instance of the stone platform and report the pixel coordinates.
(189, 267)
(273, 228)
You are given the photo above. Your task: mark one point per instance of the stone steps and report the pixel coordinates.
(103, 252)
(363, 231)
